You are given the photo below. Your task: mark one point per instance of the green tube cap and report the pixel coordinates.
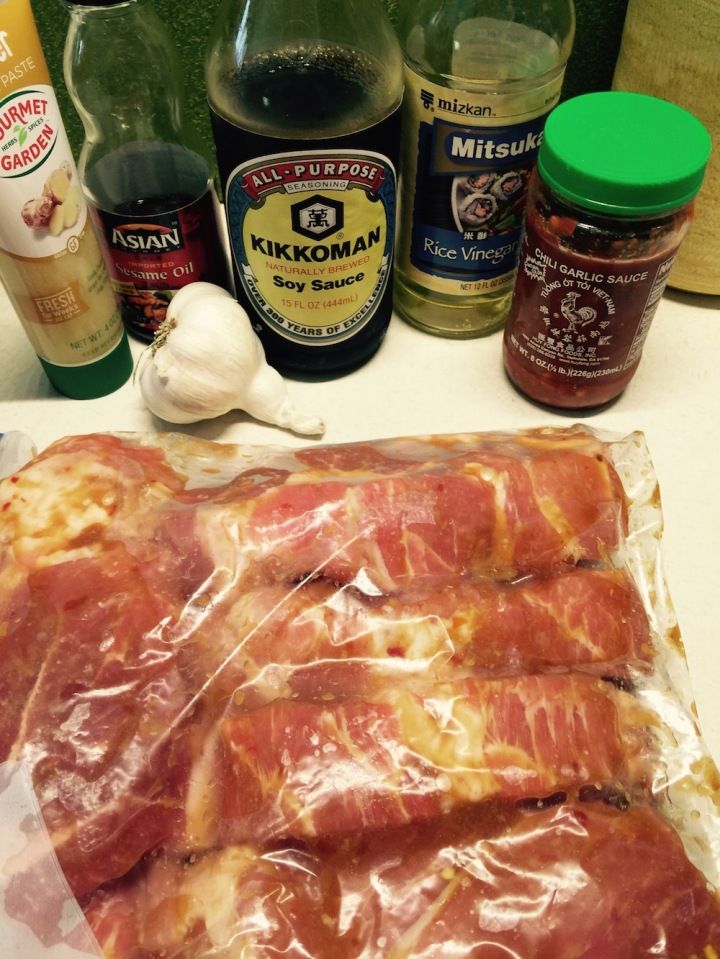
(94, 379)
(624, 153)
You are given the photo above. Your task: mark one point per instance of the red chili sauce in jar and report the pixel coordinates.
(603, 224)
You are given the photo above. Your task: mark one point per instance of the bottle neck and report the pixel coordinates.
(460, 44)
(124, 76)
(305, 70)
(120, 8)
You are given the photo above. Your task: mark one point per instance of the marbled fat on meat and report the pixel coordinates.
(95, 714)
(571, 882)
(92, 694)
(234, 902)
(307, 769)
(275, 642)
(567, 882)
(497, 506)
(482, 513)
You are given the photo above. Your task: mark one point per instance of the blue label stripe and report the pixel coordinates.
(485, 148)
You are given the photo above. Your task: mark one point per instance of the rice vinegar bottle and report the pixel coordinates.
(305, 104)
(480, 78)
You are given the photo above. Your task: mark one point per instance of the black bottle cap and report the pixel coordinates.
(95, 3)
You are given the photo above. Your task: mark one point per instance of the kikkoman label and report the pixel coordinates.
(312, 235)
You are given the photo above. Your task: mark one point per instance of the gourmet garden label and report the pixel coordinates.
(467, 162)
(312, 237)
(50, 260)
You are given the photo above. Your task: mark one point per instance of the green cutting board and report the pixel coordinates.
(597, 42)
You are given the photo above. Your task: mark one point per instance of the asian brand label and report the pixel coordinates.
(467, 161)
(152, 257)
(581, 318)
(312, 235)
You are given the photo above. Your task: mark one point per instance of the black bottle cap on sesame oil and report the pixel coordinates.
(94, 3)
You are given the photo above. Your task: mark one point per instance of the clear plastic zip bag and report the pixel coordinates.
(16, 449)
(421, 697)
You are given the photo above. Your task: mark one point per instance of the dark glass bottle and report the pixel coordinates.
(142, 165)
(304, 98)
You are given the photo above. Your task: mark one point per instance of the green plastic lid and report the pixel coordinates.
(93, 379)
(623, 153)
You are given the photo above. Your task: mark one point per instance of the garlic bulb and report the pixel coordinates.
(207, 360)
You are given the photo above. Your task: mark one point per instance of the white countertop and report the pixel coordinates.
(423, 384)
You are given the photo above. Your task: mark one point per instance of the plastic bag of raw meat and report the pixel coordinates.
(422, 697)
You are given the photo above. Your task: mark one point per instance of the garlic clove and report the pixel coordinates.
(260, 402)
(162, 400)
(197, 375)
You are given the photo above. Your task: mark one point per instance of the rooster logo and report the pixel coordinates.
(577, 318)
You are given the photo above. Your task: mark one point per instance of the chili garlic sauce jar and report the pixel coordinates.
(608, 206)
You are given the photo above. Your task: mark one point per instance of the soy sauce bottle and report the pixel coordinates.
(142, 166)
(305, 104)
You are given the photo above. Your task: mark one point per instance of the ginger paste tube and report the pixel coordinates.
(50, 261)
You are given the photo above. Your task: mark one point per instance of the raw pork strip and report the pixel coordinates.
(233, 903)
(78, 493)
(311, 769)
(91, 699)
(479, 513)
(569, 882)
(317, 638)
(91, 583)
